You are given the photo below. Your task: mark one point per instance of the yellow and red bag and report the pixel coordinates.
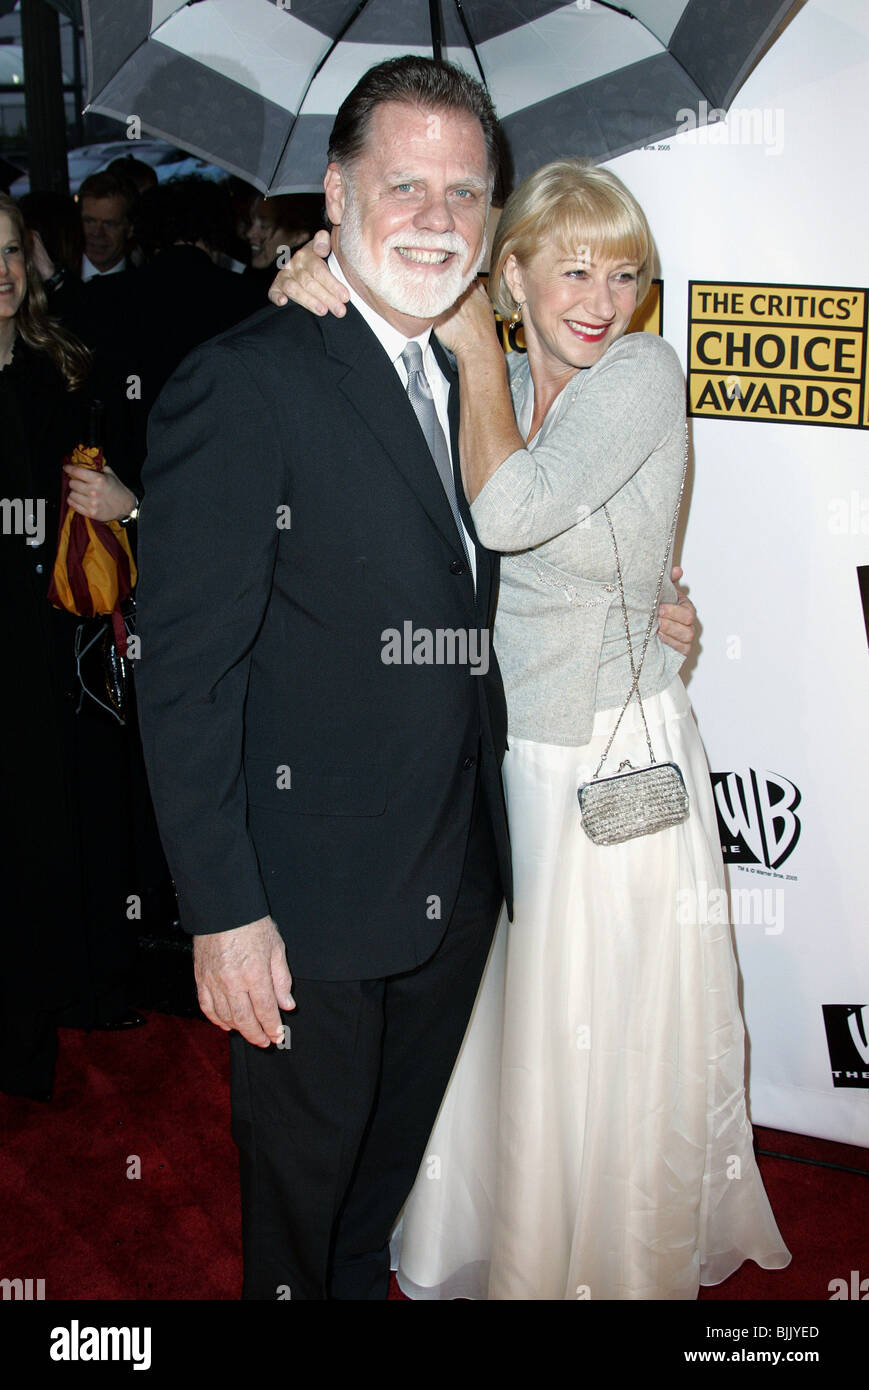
(94, 569)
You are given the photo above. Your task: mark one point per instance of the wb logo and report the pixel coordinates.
(847, 1028)
(756, 819)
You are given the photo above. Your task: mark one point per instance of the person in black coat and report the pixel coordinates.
(325, 800)
(183, 296)
(67, 943)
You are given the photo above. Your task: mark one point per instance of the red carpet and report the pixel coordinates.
(159, 1094)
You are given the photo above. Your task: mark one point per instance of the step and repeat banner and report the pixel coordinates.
(761, 222)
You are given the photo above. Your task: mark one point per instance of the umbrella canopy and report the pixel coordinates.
(12, 65)
(253, 85)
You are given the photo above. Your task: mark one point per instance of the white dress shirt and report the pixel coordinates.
(90, 272)
(393, 343)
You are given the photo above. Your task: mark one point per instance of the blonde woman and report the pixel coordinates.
(593, 1141)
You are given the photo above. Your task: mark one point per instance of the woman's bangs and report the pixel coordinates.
(599, 233)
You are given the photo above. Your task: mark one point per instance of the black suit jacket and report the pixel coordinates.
(294, 516)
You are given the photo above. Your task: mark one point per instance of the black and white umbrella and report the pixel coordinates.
(253, 85)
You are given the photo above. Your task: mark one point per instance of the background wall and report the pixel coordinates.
(777, 531)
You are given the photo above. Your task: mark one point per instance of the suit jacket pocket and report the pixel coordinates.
(298, 789)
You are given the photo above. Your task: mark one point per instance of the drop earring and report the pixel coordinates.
(514, 325)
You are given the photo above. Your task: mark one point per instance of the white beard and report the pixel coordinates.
(413, 291)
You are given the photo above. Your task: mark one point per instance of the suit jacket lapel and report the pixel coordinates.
(487, 563)
(373, 388)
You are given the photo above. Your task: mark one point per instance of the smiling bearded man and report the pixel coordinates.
(319, 806)
(421, 272)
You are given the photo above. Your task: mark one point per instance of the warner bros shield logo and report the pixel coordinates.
(757, 818)
(847, 1028)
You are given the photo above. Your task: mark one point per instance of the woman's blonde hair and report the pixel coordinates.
(71, 358)
(582, 208)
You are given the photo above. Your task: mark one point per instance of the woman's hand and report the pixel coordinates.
(677, 622)
(308, 280)
(470, 324)
(99, 495)
(40, 257)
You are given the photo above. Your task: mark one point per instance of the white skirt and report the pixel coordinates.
(593, 1141)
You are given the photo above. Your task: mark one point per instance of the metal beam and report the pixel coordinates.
(43, 95)
(437, 30)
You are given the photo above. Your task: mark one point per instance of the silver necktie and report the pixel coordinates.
(420, 396)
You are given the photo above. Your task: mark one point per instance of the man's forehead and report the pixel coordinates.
(397, 125)
(104, 201)
(397, 111)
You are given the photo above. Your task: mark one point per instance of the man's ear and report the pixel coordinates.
(335, 190)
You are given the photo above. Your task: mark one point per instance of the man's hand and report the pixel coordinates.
(677, 622)
(243, 980)
(309, 281)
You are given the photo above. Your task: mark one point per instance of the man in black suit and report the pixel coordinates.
(329, 795)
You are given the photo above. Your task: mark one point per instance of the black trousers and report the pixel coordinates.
(332, 1128)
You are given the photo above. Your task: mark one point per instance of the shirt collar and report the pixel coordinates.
(391, 339)
(90, 272)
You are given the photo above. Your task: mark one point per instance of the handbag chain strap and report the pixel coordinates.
(636, 668)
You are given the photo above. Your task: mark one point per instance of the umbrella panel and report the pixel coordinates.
(224, 78)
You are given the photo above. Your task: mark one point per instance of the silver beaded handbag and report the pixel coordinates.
(639, 800)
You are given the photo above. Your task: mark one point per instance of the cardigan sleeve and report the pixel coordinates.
(624, 408)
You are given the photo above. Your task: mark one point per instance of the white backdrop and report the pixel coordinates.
(778, 524)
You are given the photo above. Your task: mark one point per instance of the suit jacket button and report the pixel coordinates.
(456, 567)
(468, 764)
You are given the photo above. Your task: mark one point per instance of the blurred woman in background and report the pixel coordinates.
(278, 227)
(67, 946)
